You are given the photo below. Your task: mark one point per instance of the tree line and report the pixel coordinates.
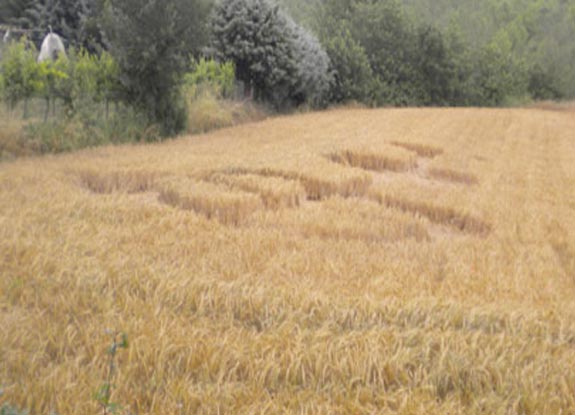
(314, 53)
(446, 52)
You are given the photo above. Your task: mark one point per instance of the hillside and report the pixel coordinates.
(535, 31)
(532, 37)
(398, 261)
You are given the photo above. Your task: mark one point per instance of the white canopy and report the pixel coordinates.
(52, 47)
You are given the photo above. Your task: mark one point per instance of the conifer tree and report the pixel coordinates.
(253, 34)
(276, 59)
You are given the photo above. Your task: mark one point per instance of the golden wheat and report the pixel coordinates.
(255, 275)
(275, 192)
(388, 159)
(208, 199)
(422, 150)
(452, 176)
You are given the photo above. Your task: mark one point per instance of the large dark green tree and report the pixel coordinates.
(354, 79)
(389, 40)
(442, 76)
(253, 34)
(314, 77)
(276, 59)
(152, 41)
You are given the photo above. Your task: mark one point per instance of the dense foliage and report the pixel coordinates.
(449, 52)
(313, 67)
(537, 35)
(388, 52)
(75, 79)
(218, 77)
(276, 59)
(20, 74)
(151, 41)
(75, 20)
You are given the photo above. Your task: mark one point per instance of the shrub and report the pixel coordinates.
(82, 79)
(86, 129)
(107, 79)
(20, 72)
(207, 110)
(12, 140)
(219, 77)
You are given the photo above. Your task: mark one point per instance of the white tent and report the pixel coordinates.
(52, 47)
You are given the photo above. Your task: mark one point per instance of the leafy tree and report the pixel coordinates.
(389, 40)
(85, 74)
(254, 35)
(539, 33)
(314, 75)
(500, 77)
(353, 78)
(440, 76)
(108, 87)
(73, 80)
(542, 85)
(219, 76)
(277, 60)
(53, 75)
(21, 75)
(151, 41)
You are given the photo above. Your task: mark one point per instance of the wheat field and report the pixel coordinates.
(393, 261)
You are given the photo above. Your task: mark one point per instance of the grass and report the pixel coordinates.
(207, 112)
(12, 140)
(90, 127)
(252, 274)
(87, 128)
